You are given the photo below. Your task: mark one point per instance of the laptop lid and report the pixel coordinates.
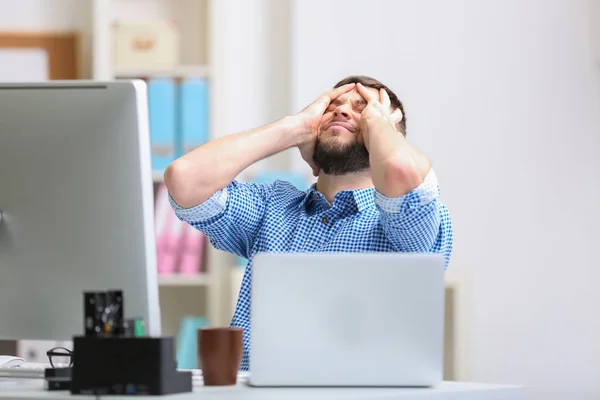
(347, 319)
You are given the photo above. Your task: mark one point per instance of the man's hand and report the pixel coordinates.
(377, 112)
(308, 120)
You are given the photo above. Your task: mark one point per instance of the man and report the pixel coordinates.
(375, 192)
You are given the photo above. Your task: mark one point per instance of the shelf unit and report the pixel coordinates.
(207, 294)
(182, 71)
(185, 280)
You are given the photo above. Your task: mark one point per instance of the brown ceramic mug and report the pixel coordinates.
(220, 355)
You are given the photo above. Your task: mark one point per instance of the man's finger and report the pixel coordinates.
(384, 99)
(323, 101)
(337, 92)
(364, 92)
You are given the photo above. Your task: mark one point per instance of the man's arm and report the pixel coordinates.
(196, 176)
(417, 222)
(397, 167)
(406, 187)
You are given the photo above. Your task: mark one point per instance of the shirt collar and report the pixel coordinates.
(362, 198)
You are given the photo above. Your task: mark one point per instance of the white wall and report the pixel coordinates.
(596, 29)
(504, 95)
(253, 67)
(42, 15)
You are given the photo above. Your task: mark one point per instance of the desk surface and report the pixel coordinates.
(34, 390)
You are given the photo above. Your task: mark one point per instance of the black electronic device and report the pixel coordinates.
(127, 366)
(103, 313)
(58, 378)
(114, 358)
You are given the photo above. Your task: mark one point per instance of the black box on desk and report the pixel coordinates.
(127, 366)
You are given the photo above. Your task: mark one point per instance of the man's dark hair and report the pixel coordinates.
(375, 84)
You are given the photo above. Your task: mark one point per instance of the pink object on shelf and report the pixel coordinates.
(192, 251)
(172, 244)
(169, 230)
(162, 210)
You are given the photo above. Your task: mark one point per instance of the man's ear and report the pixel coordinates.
(396, 118)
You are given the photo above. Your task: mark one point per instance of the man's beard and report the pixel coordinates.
(339, 159)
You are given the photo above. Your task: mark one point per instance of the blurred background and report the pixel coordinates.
(503, 95)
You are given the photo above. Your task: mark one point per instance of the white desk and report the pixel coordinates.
(34, 390)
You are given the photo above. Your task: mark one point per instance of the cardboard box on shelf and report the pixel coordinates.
(146, 44)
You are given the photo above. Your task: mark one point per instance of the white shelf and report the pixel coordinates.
(158, 176)
(203, 26)
(184, 280)
(184, 71)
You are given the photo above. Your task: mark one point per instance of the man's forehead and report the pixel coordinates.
(355, 95)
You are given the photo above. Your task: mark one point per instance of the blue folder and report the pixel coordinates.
(193, 114)
(187, 341)
(162, 119)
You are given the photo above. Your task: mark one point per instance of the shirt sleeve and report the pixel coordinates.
(231, 217)
(417, 221)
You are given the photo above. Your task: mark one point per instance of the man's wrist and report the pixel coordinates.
(294, 127)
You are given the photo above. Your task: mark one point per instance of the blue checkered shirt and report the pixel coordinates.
(246, 218)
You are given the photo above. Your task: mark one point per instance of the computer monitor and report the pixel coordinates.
(76, 199)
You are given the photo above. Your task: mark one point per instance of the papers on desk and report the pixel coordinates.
(197, 379)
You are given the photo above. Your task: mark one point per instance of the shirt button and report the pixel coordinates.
(324, 220)
(316, 196)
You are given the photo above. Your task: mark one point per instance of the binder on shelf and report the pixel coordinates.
(187, 341)
(169, 230)
(172, 244)
(193, 115)
(162, 210)
(192, 251)
(163, 121)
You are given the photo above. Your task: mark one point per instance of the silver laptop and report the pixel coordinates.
(347, 319)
